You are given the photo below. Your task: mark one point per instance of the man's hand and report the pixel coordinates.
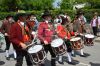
(46, 42)
(23, 45)
(66, 37)
(6, 34)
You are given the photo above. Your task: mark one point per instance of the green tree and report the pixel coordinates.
(8, 5)
(12, 5)
(65, 4)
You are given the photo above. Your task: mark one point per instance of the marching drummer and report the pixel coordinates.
(5, 27)
(20, 36)
(45, 34)
(32, 22)
(64, 34)
(77, 30)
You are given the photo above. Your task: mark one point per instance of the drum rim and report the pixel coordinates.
(89, 36)
(31, 51)
(75, 38)
(53, 43)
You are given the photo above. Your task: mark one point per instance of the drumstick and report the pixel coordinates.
(33, 41)
(31, 44)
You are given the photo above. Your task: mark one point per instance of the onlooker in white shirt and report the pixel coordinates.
(95, 22)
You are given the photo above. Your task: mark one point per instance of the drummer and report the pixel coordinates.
(64, 34)
(19, 36)
(45, 34)
(77, 30)
(32, 22)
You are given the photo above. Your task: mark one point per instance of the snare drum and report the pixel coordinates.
(76, 43)
(88, 41)
(37, 53)
(58, 46)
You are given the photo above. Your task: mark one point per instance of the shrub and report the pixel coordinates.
(88, 13)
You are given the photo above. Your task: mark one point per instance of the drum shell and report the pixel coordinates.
(38, 57)
(77, 45)
(59, 50)
(88, 41)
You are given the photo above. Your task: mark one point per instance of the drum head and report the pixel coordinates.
(35, 49)
(89, 36)
(57, 42)
(75, 39)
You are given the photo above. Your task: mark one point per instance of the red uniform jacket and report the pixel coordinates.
(44, 32)
(30, 24)
(62, 33)
(16, 34)
(5, 28)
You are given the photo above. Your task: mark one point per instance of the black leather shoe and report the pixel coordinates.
(60, 62)
(72, 63)
(7, 58)
(73, 55)
(83, 56)
(14, 58)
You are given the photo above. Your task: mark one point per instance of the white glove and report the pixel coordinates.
(66, 37)
(6, 34)
(45, 42)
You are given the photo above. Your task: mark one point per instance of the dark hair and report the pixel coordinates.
(46, 13)
(17, 16)
(29, 15)
(7, 17)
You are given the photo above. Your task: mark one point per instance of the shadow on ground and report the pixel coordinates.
(2, 51)
(2, 63)
(94, 64)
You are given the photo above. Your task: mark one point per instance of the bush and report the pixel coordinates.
(88, 13)
(4, 14)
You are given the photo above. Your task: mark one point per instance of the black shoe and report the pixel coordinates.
(60, 62)
(83, 56)
(14, 58)
(71, 63)
(73, 55)
(7, 58)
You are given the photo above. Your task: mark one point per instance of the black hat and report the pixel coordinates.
(79, 13)
(19, 15)
(8, 16)
(46, 13)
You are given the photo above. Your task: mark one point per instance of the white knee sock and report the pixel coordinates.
(15, 54)
(69, 57)
(60, 58)
(7, 53)
(72, 51)
(81, 52)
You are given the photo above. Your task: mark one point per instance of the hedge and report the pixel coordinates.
(88, 13)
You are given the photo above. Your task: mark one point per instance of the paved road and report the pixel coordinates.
(92, 60)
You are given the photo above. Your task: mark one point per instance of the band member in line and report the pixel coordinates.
(45, 33)
(77, 31)
(76, 25)
(5, 29)
(95, 23)
(32, 22)
(57, 18)
(83, 21)
(21, 37)
(63, 33)
(65, 19)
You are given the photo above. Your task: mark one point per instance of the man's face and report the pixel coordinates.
(32, 18)
(22, 18)
(11, 20)
(48, 18)
(95, 16)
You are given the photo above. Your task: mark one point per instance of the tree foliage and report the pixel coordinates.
(13, 5)
(68, 4)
